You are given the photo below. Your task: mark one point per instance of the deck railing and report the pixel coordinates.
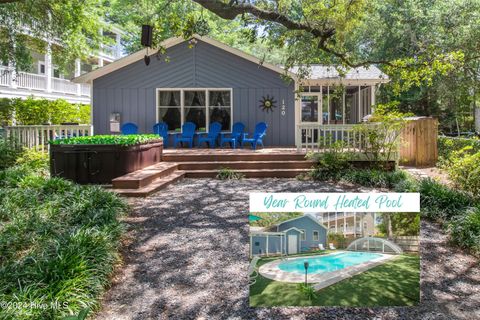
(316, 137)
(37, 136)
(320, 137)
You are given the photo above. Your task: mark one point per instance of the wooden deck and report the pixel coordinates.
(206, 163)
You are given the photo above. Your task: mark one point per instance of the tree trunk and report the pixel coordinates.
(389, 226)
(477, 119)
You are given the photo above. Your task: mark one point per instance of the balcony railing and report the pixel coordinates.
(346, 230)
(31, 81)
(64, 86)
(338, 217)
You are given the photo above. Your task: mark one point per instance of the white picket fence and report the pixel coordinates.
(37, 136)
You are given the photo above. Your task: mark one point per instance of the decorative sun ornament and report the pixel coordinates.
(267, 103)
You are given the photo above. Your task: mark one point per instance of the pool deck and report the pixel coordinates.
(321, 280)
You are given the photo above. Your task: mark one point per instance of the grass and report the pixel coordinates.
(394, 283)
(58, 242)
(124, 140)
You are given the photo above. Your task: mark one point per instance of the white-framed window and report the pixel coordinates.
(202, 106)
(41, 67)
(316, 235)
(303, 235)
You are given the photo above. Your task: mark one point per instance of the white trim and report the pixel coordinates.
(313, 235)
(292, 228)
(303, 235)
(39, 67)
(319, 107)
(182, 104)
(137, 56)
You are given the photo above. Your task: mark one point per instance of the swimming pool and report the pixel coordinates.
(327, 263)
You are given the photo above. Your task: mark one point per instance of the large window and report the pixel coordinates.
(200, 106)
(220, 108)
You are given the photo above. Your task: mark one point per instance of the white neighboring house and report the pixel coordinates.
(44, 80)
(350, 224)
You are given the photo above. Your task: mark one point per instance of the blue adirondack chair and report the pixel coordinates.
(129, 128)
(257, 138)
(235, 137)
(188, 131)
(161, 129)
(211, 137)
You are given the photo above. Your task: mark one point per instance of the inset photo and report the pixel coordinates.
(334, 259)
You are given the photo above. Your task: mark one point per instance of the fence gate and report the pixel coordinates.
(419, 142)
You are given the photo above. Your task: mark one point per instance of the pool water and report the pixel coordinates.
(327, 263)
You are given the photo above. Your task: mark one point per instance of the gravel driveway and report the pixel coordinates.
(187, 258)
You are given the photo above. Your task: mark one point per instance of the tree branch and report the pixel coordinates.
(231, 10)
(9, 1)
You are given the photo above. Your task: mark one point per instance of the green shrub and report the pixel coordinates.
(58, 241)
(329, 163)
(307, 290)
(448, 148)
(35, 159)
(125, 140)
(8, 153)
(229, 174)
(380, 136)
(465, 172)
(465, 230)
(441, 202)
(374, 178)
(32, 111)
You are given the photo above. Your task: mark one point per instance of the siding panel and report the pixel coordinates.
(131, 90)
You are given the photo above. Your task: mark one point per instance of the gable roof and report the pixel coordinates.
(292, 228)
(137, 56)
(305, 215)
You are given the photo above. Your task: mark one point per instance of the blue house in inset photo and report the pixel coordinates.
(288, 237)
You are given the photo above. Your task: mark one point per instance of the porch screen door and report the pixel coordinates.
(309, 108)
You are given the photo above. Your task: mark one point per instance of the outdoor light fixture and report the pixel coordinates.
(146, 41)
(305, 265)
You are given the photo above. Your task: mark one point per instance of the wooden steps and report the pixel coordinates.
(244, 165)
(252, 173)
(204, 163)
(154, 186)
(171, 157)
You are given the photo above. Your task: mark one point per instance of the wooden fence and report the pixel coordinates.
(408, 243)
(37, 137)
(419, 142)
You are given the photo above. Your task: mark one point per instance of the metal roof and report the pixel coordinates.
(317, 71)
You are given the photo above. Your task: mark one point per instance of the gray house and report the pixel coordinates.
(202, 80)
(288, 237)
